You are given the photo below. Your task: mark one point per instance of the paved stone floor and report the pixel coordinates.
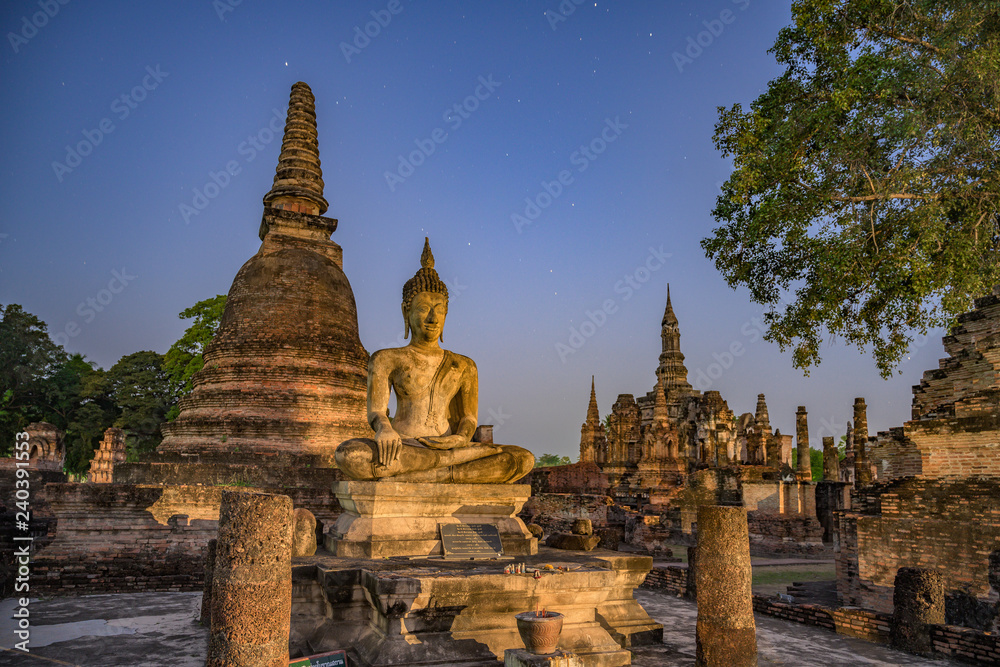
(778, 642)
(127, 630)
(147, 629)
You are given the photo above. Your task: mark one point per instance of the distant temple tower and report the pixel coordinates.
(286, 372)
(593, 441)
(671, 372)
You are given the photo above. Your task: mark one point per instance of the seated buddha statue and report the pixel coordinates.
(437, 404)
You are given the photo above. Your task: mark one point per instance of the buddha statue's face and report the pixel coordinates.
(426, 316)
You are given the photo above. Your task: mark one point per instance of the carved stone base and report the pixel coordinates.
(461, 613)
(401, 519)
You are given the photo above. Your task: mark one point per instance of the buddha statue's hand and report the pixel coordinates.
(445, 441)
(389, 445)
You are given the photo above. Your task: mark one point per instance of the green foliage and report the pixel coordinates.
(546, 460)
(143, 392)
(865, 199)
(79, 404)
(184, 358)
(28, 358)
(815, 462)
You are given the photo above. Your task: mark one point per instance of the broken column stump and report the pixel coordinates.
(206, 591)
(303, 533)
(917, 602)
(252, 581)
(726, 632)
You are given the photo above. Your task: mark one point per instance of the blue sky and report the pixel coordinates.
(618, 100)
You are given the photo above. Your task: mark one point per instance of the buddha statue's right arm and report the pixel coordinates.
(388, 441)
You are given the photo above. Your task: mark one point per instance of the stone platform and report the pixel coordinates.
(403, 611)
(386, 518)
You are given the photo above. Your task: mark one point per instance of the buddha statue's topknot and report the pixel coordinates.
(425, 280)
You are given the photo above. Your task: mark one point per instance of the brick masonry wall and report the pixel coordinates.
(784, 534)
(574, 478)
(946, 525)
(672, 580)
(958, 447)
(555, 512)
(127, 538)
(966, 645)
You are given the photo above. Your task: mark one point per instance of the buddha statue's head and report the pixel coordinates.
(425, 300)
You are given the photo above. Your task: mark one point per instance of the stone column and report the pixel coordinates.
(252, 581)
(206, 592)
(691, 585)
(726, 632)
(831, 460)
(917, 602)
(862, 470)
(773, 449)
(804, 468)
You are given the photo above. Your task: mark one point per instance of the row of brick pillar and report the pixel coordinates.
(831, 459)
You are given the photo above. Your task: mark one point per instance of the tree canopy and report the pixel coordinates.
(865, 197)
(546, 460)
(27, 358)
(184, 358)
(143, 392)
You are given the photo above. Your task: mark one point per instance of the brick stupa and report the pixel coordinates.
(284, 380)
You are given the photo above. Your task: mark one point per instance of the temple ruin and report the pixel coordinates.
(674, 448)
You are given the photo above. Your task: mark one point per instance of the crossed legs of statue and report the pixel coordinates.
(475, 464)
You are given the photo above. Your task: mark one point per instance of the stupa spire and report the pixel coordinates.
(593, 413)
(668, 312)
(298, 180)
(671, 373)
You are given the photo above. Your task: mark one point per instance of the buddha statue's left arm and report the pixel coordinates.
(469, 393)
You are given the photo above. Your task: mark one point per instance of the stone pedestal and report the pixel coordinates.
(387, 518)
(419, 613)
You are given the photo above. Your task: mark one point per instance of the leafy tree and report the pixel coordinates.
(78, 403)
(865, 199)
(815, 462)
(143, 392)
(27, 358)
(546, 460)
(184, 358)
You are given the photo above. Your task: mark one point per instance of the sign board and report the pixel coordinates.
(331, 659)
(462, 541)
